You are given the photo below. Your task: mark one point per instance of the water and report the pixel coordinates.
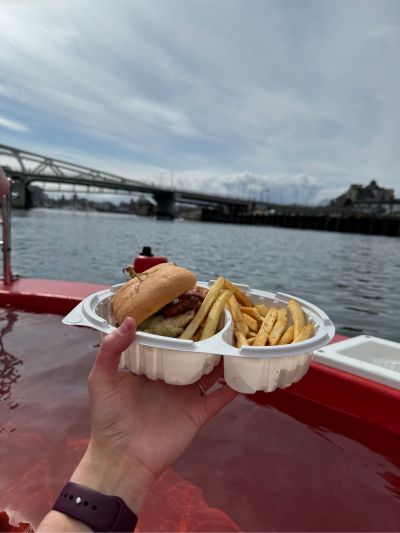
(354, 278)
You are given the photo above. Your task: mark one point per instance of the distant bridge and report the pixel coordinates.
(27, 167)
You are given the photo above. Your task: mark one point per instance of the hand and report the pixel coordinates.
(138, 426)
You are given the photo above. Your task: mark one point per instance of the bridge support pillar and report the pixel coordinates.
(19, 193)
(165, 209)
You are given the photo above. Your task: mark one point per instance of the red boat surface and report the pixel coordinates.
(322, 455)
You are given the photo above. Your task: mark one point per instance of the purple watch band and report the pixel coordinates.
(96, 510)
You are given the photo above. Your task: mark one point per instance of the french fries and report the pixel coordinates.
(279, 327)
(197, 336)
(287, 337)
(251, 322)
(305, 333)
(236, 313)
(212, 294)
(241, 339)
(266, 327)
(258, 325)
(297, 316)
(253, 312)
(239, 295)
(262, 309)
(254, 324)
(214, 315)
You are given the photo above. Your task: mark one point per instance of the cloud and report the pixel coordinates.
(389, 32)
(276, 188)
(13, 125)
(207, 89)
(279, 188)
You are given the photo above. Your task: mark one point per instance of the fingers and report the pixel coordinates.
(219, 399)
(208, 380)
(111, 347)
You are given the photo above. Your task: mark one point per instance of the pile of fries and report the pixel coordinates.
(258, 325)
(255, 325)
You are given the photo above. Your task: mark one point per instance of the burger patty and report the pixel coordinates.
(188, 301)
(174, 317)
(167, 326)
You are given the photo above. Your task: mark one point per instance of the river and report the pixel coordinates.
(354, 278)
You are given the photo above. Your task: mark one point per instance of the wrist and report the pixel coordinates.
(114, 476)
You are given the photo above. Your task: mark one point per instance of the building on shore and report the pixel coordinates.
(359, 193)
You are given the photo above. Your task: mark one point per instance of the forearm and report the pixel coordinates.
(113, 476)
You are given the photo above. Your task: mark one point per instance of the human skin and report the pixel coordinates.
(139, 427)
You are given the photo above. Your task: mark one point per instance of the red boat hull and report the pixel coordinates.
(326, 403)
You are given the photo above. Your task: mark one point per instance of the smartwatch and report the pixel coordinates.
(98, 511)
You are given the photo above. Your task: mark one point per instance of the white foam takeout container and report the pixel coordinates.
(182, 362)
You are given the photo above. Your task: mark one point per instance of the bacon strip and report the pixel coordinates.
(186, 302)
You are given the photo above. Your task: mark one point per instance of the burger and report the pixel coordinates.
(162, 300)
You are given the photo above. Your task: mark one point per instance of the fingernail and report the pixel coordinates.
(125, 326)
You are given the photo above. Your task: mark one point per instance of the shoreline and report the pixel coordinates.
(293, 218)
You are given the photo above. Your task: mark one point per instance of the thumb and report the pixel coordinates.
(111, 347)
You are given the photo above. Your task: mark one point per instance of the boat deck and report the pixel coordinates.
(321, 455)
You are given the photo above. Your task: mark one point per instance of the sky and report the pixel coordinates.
(292, 100)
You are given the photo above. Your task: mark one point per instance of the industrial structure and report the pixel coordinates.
(370, 209)
(26, 168)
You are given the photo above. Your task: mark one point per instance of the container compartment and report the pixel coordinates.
(249, 375)
(182, 362)
(176, 368)
(172, 366)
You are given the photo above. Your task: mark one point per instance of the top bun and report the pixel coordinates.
(159, 286)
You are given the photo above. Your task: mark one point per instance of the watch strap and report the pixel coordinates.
(98, 511)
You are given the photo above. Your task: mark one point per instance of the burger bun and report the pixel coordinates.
(158, 286)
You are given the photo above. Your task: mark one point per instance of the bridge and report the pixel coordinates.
(26, 168)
